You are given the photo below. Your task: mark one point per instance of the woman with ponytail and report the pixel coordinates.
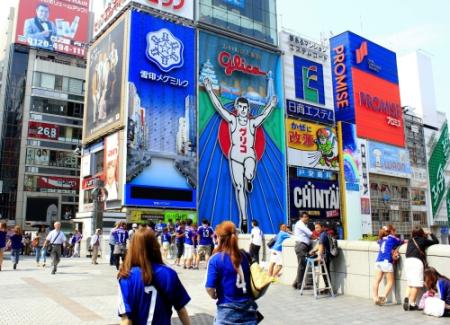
(228, 280)
(147, 288)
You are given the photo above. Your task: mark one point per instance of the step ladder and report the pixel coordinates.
(314, 268)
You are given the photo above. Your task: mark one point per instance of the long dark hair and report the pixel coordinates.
(144, 250)
(228, 242)
(431, 276)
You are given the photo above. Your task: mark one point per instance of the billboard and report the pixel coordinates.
(42, 209)
(144, 216)
(112, 167)
(252, 18)
(366, 90)
(307, 79)
(162, 118)
(388, 160)
(436, 169)
(105, 11)
(364, 188)
(60, 26)
(351, 157)
(45, 131)
(104, 93)
(319, 198)
(311, 145)
(241, 145)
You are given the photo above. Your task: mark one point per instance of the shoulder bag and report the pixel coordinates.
(422, 254)
(50, 247)
(259, 279)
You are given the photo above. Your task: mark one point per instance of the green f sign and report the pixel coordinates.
(436, 169)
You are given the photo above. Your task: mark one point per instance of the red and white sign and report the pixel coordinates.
(60, 26)
(89, 183)
(106, 11)
(41, 130)
(235, 62)
(60, 183)
(111, 166)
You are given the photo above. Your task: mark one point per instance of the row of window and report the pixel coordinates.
(58, 83)
(57, 107)
(52, 158)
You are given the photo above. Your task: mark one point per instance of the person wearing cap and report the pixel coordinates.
(95, 244)
(132, 231)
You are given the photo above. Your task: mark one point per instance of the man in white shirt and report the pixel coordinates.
(56, 239)
(302, 247)
(95, 244)
(256, 241)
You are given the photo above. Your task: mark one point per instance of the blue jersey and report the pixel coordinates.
(160, 227)
(179, 231)
(222, 276)
(189, 234)
(387, 245)
(280, 238)
(205, 234)
(443, 286)
(16, 241)
(151, 304)
(2, 239)
(120, 235)
(166, 238)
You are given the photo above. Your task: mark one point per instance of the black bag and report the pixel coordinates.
(272, 242)
(334, 251)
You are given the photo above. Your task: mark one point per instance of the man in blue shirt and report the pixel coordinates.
(205, 239)
(322, 249)
(189, 234)
(179, 241)
(276, 261)
(159, 227)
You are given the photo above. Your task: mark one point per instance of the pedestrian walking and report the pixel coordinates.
(112, 242)
(205, 240)
(256, 241)
(384, 265)
(415, 264)
(40, 253)
(76, 242)
(276, 261)
(179, 241)
(131, 232)
(302, 247)
(120, 247)
(16, 244)
(228, 280)
(56, 241)
(188, 255)
(166, 238)
(148, 289)
(95, 244)
(3, 232)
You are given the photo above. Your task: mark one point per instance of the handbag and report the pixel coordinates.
(259, 279)
(422, 254)
(35, 242)
(50, 247)
(434, 307)
(395, 255)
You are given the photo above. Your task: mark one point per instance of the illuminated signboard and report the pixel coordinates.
(388, 160)
(41, 130)
(60, 26)
(366, 90)
(106, 11)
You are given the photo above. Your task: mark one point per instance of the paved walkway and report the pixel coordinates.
(82, 293)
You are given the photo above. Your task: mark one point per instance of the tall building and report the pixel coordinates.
(41, 114)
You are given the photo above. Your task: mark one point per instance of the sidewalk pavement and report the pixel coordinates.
(82, 293)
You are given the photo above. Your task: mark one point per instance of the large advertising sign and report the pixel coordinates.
(366, 90)
(105, 11)
(60, 26)
(45, 131)
(352, 157)
(241, 148)
(104, 93)
(307, 79)
(112, 168)
(388, 160)
(162, 119)
(364, 188)
(42, 209)
(319, 198)
(436, 169)
(311, 145)
(144, 216)
(252, 18)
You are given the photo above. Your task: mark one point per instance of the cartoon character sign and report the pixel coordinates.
(326, 144)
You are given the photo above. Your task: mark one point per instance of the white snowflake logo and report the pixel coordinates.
(165, 50)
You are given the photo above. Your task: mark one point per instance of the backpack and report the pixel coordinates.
(334, 251)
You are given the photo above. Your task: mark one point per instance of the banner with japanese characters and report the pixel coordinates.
(161, 169)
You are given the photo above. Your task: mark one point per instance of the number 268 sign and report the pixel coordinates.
(43, 131)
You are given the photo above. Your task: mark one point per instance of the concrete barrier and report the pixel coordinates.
(353, 271)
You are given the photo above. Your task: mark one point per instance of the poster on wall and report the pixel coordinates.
(352, 157)
(319, 198)
(311, 145)
(104, 93)
(42, 209)
(60, 26)
(162, 119)
(388, 160)
(111, 167)
(106, 10)
(241, 145)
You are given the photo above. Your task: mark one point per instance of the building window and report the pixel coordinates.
(47, 81)
(75, 86)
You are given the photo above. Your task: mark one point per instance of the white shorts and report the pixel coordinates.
(384, 266)
(276, 257)
(414, 272)
(188, 251)
(166, 245)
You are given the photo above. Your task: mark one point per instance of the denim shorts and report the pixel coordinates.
(236, 313)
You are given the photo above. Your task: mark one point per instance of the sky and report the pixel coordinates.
(400, 25)
(403, 26)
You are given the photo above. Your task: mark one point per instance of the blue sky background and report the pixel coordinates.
(402, 26)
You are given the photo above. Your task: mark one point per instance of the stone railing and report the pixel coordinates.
(352, 272)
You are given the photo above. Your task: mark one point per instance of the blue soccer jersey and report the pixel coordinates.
(166, 238)
(121, 236)
(223, 277)
(151, 304)
(387, 245)
(205, 234)
(189, 234)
